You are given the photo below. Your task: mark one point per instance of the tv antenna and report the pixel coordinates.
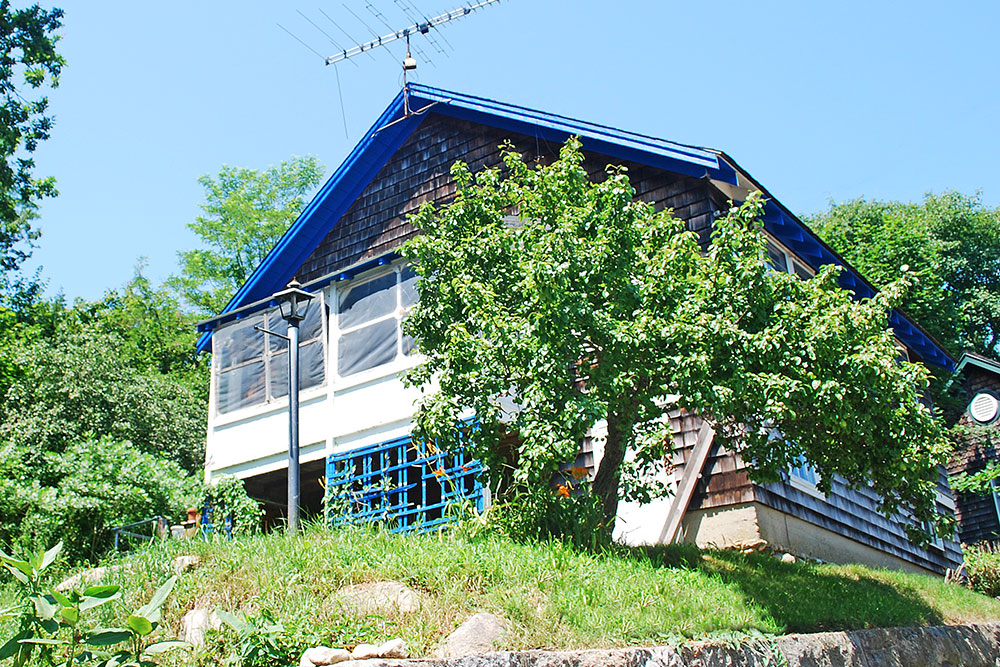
(409, 62)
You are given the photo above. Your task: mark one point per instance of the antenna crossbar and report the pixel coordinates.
(421, 27)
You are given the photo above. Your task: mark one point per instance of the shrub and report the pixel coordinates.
(982, 564)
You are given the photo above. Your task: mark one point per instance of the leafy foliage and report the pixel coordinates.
(78, 494)
(246, 212)
(92, 433)
(228, 496)
(55, 623)
(982, 565)
(77, 385)
(28, 61)
(597, 308)
(951, 243)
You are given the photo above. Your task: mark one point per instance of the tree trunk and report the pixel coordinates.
(608, 474)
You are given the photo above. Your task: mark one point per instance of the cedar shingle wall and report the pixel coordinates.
(849, 512)
(419, 171)
(977, 514)
(854, 514)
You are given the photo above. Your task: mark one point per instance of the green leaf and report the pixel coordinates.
(164, 646)
(13, 644)
(22, 565)
(90, 602)
(140, 625)
(43, 608)
(70, 615)
(233, 621)
(61, 599)
(20, 576)
(108, 637)
(102, 591)
(44, 641)
(159, 597)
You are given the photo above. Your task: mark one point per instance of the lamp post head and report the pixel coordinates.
(292, 302)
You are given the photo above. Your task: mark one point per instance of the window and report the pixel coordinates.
(251, 368)
(803, 471)
(369, 321)
(782, 260)
(401, 483)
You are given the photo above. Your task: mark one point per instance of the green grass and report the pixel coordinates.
(551, 595)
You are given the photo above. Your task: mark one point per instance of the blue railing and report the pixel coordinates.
(402, 484)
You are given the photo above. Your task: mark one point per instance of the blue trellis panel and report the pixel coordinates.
(403, 484)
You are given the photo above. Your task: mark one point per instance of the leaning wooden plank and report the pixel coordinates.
(689, 480)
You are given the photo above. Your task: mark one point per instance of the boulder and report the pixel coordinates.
(394, 648)
(478, 634)
(80, 579)
(184, 563)
(196, 623)
(788, 558)
(365, 651)
(377, 597)
(323, 655)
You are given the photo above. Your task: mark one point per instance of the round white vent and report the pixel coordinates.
(984, 407)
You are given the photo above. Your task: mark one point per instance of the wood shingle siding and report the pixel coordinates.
(376, 222)
(977, 514)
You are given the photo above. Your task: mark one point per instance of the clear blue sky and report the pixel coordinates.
(819, 101)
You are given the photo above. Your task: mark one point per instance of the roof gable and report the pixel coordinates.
(394, 127)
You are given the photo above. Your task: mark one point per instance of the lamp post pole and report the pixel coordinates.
(292, 302)
(293, 425)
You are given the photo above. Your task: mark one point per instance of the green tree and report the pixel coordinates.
(597, 308)
(951, 243)
(245, 213)
(157, 336)
(77, 385)
(28, 62)
(76, 495)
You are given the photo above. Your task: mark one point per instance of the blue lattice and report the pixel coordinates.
(402, 484)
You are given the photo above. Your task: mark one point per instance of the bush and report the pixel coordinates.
(78, 495)
(982, 564)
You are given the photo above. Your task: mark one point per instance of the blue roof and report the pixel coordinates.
(392, 128)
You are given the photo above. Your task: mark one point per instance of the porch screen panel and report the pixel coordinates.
(240, 380)
(252, 367)
(367, 347)
(369, 317)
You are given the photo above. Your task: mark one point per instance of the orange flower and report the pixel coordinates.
(578, 472)
(562, 490)
(466, 468)
(439, 473)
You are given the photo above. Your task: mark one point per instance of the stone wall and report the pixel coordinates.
(966, 646)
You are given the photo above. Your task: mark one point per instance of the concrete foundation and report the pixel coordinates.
(751, 524)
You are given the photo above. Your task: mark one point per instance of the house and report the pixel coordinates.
(355, 411)
(978, 515)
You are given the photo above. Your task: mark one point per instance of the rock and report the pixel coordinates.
(323, 655)
(184, 563)
(478, 634)
(788, 558)
(394, 648)
(80, 578)
(196, 623)
(365, 651)
(377, 597)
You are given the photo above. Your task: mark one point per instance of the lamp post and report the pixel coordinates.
(292, 302)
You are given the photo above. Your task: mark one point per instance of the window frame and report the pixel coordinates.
(791, 259)
(401, 360)
(267, 357)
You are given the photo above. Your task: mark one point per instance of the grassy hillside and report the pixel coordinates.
(551, 595)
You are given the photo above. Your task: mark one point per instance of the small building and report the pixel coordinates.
(355, 414)
(978, 514)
